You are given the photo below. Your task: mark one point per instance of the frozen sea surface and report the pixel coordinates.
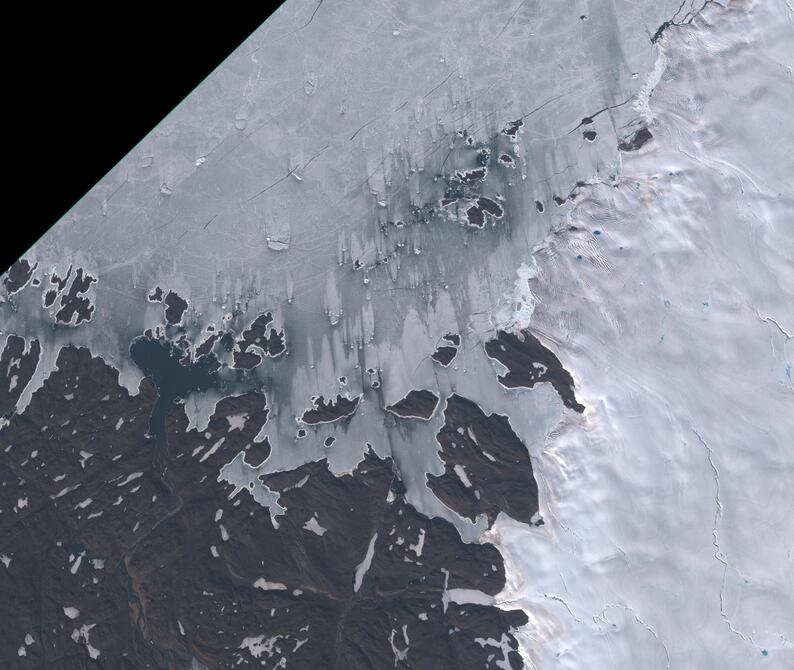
(304, 178)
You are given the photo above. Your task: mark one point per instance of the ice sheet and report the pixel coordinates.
(669, 534)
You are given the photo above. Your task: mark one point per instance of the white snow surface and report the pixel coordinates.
(669, 518)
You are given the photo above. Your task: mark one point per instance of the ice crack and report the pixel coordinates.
(642, 623)
(718, 554)
(564, 604)
(688, 18)
(769, 319)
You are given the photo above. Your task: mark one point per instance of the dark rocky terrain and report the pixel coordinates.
(417, 404)
(114, 562)
(487, 468)
(528, 363)
(329, 411)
